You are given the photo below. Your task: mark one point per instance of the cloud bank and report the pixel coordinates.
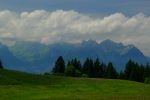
(71, 26)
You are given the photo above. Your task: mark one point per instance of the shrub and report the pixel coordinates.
(84, 75)
(147, 80)
(71, 71)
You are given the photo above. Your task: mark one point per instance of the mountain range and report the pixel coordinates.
(37, 58)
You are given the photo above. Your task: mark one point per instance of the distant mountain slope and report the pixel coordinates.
(8, 59)
(148, 59)
(37, 57)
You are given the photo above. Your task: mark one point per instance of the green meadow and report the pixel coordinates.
(22, 86)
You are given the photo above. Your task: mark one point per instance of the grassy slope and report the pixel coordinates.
(22, 86)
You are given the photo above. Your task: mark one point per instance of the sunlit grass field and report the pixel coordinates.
(21, 86)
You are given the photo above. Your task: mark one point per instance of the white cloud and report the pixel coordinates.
(71, 26)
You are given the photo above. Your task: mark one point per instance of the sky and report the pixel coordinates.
(49, 21)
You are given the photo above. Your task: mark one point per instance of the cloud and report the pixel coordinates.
(71, 26)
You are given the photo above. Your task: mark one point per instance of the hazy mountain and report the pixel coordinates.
(37, 57)
(8, 59)
(148, 59)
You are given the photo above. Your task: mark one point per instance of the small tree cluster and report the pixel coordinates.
(135, 72)
(90, 68)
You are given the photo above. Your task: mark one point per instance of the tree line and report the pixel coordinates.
(97, 69)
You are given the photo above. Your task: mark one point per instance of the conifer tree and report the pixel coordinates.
(98, 69)
(88, 67)
(59, 65)
(128, 69)
(147, 70)
(110, 71)
(1, 66)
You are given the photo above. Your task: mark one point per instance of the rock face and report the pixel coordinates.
(36, 57)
